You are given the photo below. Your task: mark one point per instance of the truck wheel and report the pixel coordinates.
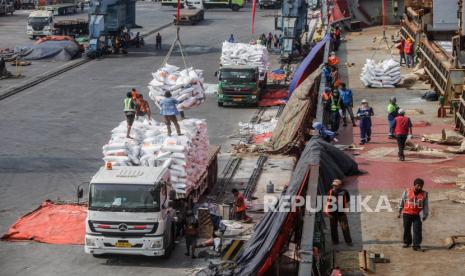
(220, 104)
(235, 8)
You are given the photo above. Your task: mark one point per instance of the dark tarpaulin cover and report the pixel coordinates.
(333, 162)
(311, 62)
(58, 50)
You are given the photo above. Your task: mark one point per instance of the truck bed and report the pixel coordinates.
(208, 178)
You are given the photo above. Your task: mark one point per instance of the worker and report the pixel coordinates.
(125, 42)
(191, 231)
(143, 108)
(82, 6)
(347, 102)
(333, 59)
(324, 133)
(288, 72)
(134, 94)
(392, 110)
(326, 102)
(336, 38)
(409, 52)
(401, 46)
(402, 131)
(280, 41)
(269, 41)
(231, 39)
(130, 112)
(169, 111)
(335, 109)
(335, 77)
(239, 205)
(414, 209)
(158, 42)
(336, 194)
(364, 114)
(327, 74)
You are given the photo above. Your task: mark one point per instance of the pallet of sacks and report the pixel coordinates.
(385, 74)
(186, 156)
(245, 54)
(186, 86)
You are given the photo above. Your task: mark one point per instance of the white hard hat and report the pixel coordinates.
(401, 111)
(364, 101)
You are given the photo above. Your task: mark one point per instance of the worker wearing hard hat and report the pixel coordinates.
(364, 114)
(392, 110)
(402, 131)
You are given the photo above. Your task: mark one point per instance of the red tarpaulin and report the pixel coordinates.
(51, 223)
(340, 11)
(260, 138)
(274, 97)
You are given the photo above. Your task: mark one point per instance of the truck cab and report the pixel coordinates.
(40, 23)
(239, 84)
(130, 212)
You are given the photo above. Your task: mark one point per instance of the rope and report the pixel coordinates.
(379, 45)
(185, 58)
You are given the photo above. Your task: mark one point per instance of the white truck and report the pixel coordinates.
(40, 23)
(192, 13)
(132, 209)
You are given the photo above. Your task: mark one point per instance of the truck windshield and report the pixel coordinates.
(123, 198)
(39, 20)
(237, 76)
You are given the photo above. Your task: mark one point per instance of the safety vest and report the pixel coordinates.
(401, 125)
(414, 203)
(408, 47)
(335, 105)
(128, 105)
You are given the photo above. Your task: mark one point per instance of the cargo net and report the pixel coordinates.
(53, 223)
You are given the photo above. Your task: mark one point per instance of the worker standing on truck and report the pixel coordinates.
(402, 131)
(158, 42)
(191, 231)
(169, 111)
(414, 209)
(143, 108)
(364, 114)
(336, 195)
(392, 110)
(130, 112)
(347, 103)
(239, 205)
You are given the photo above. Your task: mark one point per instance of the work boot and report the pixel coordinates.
(406, 246)
(187, 253)
(368, 139)
(354, 124)
(418, 248)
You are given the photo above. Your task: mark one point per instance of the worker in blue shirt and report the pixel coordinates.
(231, 39)
(364, 114)
(327, 74)
(169, 111)
(327, 135)
(347, 103)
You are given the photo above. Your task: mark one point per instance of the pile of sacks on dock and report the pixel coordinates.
(186, 156)
(186, 86)
(245, 54)
(383, 74)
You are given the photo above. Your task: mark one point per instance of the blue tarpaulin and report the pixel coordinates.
(312, 61)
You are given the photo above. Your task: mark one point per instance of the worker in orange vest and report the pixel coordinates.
(333, 59)
(403, 131)
(143, 108)
(134, 94)
(239, 205)
(414, 209)
(408, 50)
(336, 215)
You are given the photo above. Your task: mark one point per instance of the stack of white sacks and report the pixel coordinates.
(382, 74)
(186, 156)
(186, 86)
(245, 54)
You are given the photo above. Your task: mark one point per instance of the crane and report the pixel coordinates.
(292, 22)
